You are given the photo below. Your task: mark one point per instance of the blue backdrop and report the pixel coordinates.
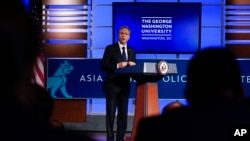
(82, 78)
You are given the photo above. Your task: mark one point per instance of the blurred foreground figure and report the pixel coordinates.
(25, 108)
(216, 103)
(19, 47)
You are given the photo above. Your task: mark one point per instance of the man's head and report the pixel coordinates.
(213, 75)
(124, 34)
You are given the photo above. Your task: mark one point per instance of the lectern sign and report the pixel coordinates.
(82, 78)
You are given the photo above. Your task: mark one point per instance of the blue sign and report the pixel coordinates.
(83, 78)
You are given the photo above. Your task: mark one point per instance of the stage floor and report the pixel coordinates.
(95, 123)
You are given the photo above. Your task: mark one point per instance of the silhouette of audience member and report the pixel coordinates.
(19, 46)
(247, 100)
(215, 73)
(216, 106)
(172, 106)
(25, 108)
(36, 105)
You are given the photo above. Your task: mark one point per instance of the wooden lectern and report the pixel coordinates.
(146, 75)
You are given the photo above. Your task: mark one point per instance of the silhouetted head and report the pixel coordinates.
(19, 42)
(172, 106)
(213, 75)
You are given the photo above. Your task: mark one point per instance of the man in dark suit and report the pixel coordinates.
(117, 87)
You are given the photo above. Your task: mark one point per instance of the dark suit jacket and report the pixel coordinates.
(114, 82)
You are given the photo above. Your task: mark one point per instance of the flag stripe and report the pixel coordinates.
(38, 77)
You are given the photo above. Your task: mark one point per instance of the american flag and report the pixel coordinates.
(38, 72)
(35, 11)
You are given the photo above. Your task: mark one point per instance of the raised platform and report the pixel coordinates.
(95, 123)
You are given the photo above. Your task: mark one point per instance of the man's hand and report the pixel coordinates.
(130, 63)
(122, 65)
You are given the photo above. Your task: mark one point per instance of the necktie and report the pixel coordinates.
(124, 58)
